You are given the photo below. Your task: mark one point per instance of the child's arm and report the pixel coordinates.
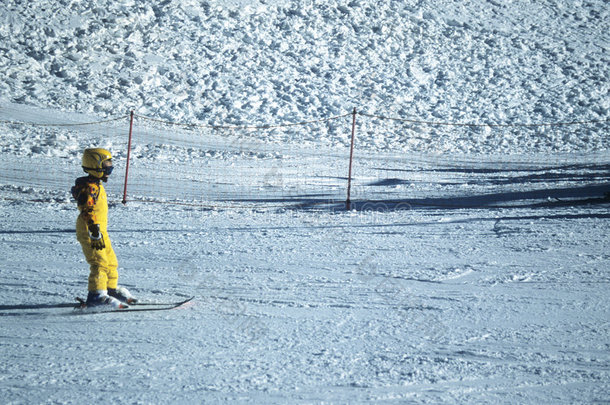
(86, 199)
(86, 196)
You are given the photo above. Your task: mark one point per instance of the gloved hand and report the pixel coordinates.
(97, 239)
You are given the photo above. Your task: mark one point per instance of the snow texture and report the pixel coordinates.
(473, 266)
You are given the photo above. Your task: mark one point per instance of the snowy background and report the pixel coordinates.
(473, 267)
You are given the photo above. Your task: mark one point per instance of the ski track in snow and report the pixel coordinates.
(474, 267)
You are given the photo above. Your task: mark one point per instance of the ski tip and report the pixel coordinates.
(187, 300)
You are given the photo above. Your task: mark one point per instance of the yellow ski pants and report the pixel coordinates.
(103, 263)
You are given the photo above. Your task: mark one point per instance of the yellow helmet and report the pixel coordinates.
(92, 162)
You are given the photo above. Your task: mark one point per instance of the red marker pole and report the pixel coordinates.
(348, 203)
(128, 157)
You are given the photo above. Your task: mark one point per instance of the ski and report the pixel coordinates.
(81, 309)
(151, 306)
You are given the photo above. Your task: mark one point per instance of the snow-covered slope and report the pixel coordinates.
(267, 62)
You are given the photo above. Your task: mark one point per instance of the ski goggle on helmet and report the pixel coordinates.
(93, 162)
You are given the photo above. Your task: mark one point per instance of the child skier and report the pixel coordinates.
(92, 233)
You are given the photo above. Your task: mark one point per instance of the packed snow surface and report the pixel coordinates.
(472, 267)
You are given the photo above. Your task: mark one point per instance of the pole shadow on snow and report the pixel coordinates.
(559, 172)
(591, 185)
(492, 175)
(547, 198)
(539, 198)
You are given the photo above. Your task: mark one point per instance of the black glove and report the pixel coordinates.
(97, 240)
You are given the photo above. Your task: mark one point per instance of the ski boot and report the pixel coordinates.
(101, 298)
(122, 294)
